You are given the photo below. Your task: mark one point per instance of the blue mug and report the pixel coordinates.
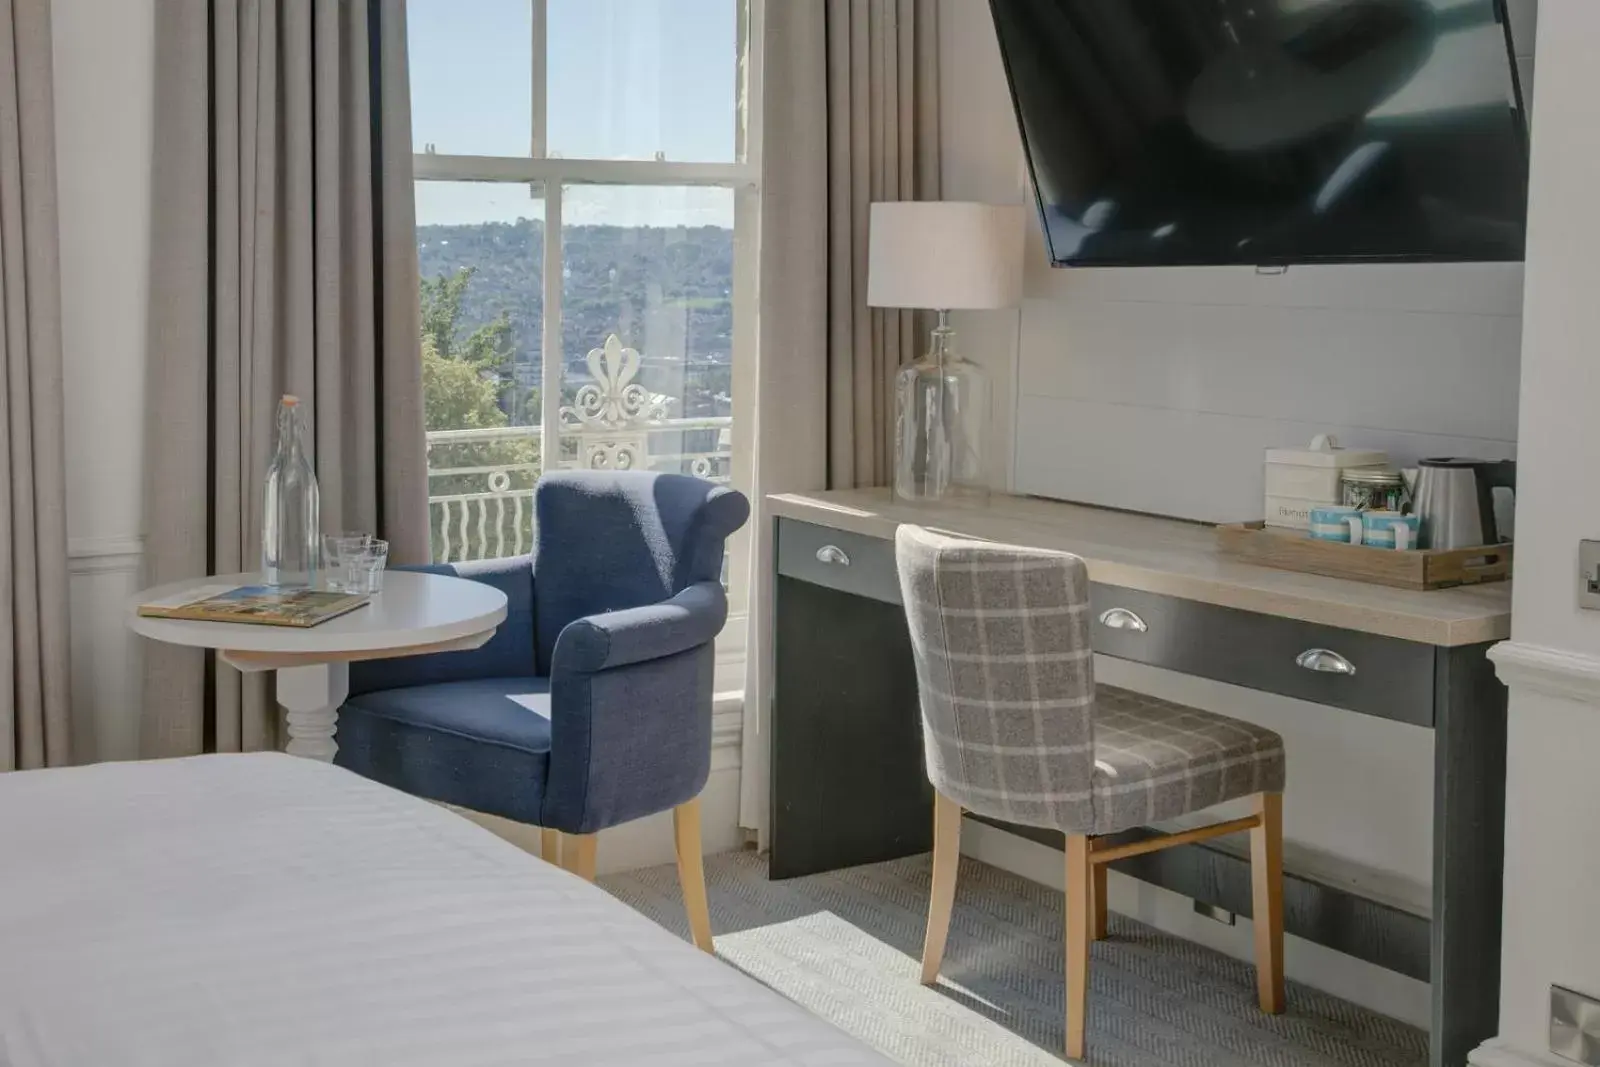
(1331, 522)
(1386, 529)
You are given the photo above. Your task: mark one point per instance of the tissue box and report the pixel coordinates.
(1299, 479)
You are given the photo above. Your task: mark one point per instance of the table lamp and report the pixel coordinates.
(943, 256)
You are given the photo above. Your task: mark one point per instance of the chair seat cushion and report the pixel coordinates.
(1157, 760)
(482, 744)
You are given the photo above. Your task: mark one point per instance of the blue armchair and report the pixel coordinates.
(591, 705)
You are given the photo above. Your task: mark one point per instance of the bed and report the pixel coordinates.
(265, 909)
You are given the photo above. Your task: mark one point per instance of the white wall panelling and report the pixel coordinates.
(1552, 926)
(1159, 389)
(103, 55)
(105, 657)
(1188, 374)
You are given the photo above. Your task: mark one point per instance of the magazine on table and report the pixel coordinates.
(260, 605)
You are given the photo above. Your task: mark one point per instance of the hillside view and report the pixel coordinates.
(665, 291)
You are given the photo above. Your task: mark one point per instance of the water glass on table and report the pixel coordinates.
(366, 574)
(355, 562)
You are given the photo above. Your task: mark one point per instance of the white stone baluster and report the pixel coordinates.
(499, 526)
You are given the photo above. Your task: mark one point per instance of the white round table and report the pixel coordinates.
(414, 614)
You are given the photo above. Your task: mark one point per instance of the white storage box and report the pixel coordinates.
(1299, 479)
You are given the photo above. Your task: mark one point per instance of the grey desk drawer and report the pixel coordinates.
(837, 559)
(1393, 679)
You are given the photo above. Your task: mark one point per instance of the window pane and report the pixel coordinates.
(471, 76)
(634, 79)
(647, 328)
(480, 247)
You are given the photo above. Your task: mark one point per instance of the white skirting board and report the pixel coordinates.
(648, 842)
(644, 842)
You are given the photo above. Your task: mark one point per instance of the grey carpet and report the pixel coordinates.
(846, 946)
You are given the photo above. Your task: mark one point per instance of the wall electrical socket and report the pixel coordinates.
(1574, 1026)
(1214, 913)
(1589, 575)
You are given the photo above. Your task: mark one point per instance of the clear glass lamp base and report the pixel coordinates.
(942, 427)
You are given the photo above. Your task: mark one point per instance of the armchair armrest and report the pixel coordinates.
(635, 635)
(508, 653)
(630, 711)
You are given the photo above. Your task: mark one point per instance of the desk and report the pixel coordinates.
(849, 785)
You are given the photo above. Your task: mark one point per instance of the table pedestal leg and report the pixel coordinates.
(311, 696)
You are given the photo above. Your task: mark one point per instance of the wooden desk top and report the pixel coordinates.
(1174, 558)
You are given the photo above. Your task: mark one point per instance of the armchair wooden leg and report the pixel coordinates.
(577, 854)
(692, 871)
(1266, 880)
(946, 858)
(1079, 883)
(550, 846)
(1097, 912)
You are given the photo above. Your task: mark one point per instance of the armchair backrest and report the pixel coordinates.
(609, 540)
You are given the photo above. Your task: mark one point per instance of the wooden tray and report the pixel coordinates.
(1294, 550)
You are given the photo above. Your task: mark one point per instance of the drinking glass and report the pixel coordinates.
(344, 552)
(367, 573)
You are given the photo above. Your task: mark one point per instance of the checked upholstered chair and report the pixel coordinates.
(1015, 728)
(591, 705)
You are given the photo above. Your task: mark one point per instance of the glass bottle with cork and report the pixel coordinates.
(291, 531)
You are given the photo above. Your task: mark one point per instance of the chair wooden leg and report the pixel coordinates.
(692, 871)
(1079, 883)
(1097, 913)
(550, 846)
(946, 858)
(1266, 880)
(577, 854)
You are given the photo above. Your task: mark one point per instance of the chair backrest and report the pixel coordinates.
(1005, 674)
(609, 540)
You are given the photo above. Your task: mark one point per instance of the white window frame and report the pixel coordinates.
(539, 170)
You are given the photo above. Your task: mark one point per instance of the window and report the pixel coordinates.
(587, 184)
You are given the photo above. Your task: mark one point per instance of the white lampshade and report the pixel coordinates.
(944, 255)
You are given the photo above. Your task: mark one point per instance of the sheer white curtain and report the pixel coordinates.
(851, 94)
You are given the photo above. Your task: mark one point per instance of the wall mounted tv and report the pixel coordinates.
(1173, 132)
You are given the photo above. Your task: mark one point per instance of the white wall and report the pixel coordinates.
(1552, 921)
(1157, 390)
(104, 69)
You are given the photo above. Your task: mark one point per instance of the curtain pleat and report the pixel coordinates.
(35, 727)
(851, 96)
(299, 275)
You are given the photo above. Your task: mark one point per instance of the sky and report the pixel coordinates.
(627, 79)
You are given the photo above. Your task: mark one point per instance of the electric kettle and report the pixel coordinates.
(1453, 500)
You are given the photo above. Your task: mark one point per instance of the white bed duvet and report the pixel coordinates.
(264, 909)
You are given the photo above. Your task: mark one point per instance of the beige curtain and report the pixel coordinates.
(850, 116)
(34, 699)
(284, 260)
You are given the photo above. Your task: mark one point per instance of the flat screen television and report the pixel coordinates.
(1264, 132)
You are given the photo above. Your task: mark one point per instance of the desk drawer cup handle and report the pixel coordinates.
(1123, 619)
(1324, 661)
(833, 554)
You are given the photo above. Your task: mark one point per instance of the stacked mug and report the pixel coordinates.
(1376, 529)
